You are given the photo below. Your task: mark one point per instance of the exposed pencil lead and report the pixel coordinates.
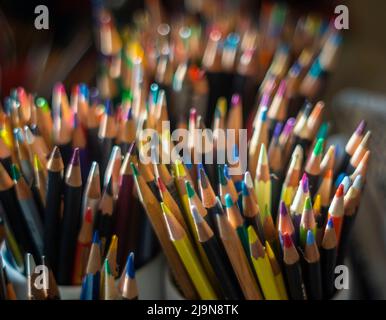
(305, 187)
(95, 238)
(189, 189)
(310, 238)
(75, 157)
(228, 201)
(283, 209)
(319, 147)
(130, 267)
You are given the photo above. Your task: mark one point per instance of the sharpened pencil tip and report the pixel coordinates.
(15, 172)
(235, 100)
(346, 184)
(252, 236)
(56, 153)
(330, 223)
(339, 179)
(319, 147)
(228, 201)
(361, 128)
(305, 187)
(221, 176)
(310, 238)
(94, 168)
(29, 136)
(109, 107)
(248, 179)
(323, 130)
(307, 204)
(107, 267)
(134, 168)
(161, 185)
(277, 130)
(130, 267)
(165, 208)
(226, 171)
(263, 114)
(196, 216)
(95, 238)
(317, 203)
(75, 157)
(287, 241)
(88, 215)
(189, 189)
(244, 189)
(180, 170)
(357, 184)
(339, 191)
(263, 158)
(283, 209)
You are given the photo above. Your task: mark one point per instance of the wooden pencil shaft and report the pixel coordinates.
(238, 259)
(154, 213)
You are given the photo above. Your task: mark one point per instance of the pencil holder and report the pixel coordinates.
(149, 279)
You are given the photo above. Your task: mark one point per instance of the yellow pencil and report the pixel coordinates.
(279, 280)
(263, 180)
(188, 256)
(262, 267)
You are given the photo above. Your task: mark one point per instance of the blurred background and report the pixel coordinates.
(67, 52)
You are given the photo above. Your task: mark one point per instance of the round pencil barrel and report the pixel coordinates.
(293, 270)
(51, 237)
(71, 220)
(217, 258)
(328, 259)
(13, 213)
(313, 270)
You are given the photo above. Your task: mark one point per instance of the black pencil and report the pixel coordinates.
(251, 212)
(104, 219)
(312, 167)
(313, 271)
(275, 156)
(217, 258)
(350, 147)
(328, 256)
(293, 270)
(13, 214)
(71, 219)
(106, 136)
(52, 216)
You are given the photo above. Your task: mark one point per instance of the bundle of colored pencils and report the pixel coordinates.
(49, 213)
(275, 231)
